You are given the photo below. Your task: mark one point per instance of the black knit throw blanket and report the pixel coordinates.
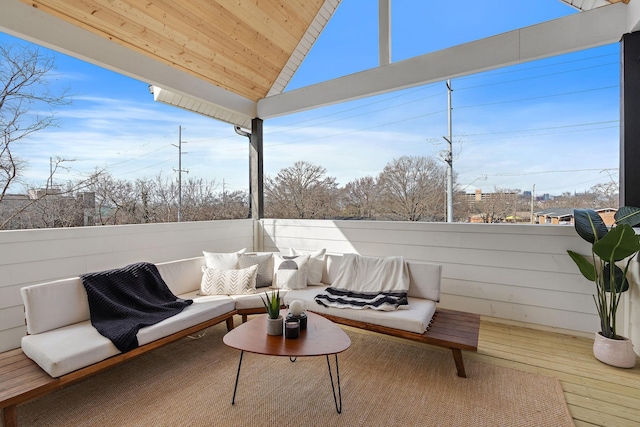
(121, 301)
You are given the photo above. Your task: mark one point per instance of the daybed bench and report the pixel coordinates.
(62, 341)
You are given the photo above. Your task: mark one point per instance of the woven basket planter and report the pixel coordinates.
(618, 353)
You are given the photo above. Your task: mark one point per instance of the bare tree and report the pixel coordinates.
(606, 194)
(49, 206)
(26, 104)
(232, 205)
(412, 189)
(361, 197)
(301, 191)
(198, 200)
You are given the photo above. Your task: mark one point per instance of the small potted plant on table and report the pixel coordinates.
(274, 319)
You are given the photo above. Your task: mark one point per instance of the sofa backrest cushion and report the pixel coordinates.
(425, 280)
(331, 268)
(182, 276)
(424, 277)
(54, 304)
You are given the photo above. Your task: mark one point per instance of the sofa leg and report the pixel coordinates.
(230, 325)
(10, 416)
(244, 318)
(457, 357)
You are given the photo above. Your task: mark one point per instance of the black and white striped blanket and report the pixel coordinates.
(368, 282)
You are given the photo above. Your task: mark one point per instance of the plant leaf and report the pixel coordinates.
(589, 225)
(628, 215)
(621, 242)
(621, 284)
(587, 269)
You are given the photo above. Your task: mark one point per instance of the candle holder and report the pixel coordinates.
(292, 328)
(302, 317)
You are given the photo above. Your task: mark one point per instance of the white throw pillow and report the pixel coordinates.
(265, 267)
(222, 261)
(290, 272)
(315, 266)
(228, 282)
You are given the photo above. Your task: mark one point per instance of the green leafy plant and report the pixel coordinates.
(272, 304)
(610, 249)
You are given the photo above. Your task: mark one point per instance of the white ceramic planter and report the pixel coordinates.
(618, 353)
(274, 326)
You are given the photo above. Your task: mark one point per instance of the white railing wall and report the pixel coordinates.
(36, 256)
(514, 272)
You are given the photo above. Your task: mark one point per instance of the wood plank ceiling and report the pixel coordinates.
(242, 46)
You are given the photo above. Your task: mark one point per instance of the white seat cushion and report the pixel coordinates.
(72, 347)
(414, 319)
(67, 349)
(244, 302)
(202, 309)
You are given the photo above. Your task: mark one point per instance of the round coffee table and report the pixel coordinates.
(321, 338)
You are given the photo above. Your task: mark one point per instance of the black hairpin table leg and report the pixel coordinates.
(336, 399)
(235, 388)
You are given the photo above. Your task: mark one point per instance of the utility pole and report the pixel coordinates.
(449, 157)
(179, 146)
(533, 197)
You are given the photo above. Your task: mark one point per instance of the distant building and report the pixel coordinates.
(564, 216)
(479, 196)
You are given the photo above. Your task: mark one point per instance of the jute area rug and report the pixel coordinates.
(385, 382)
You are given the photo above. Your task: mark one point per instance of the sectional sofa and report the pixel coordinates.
(61, 338)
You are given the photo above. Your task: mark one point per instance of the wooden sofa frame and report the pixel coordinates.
(22, 380)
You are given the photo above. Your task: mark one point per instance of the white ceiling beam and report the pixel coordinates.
(633, 16)
(580, 31)
(31, 24)
(384, 32)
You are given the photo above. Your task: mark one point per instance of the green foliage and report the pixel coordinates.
(272, 304)
(620, 244)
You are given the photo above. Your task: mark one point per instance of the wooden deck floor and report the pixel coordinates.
(597, 394)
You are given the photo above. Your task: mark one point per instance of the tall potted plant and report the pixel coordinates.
(611, 249)
(274, 319)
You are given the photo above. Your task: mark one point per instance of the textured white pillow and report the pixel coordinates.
(228, 282)
(222, 261)
(290, 272)
(315, 266)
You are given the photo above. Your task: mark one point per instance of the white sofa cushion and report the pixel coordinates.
(315, 266)
(290, 272)
(265, 267)
(54, 304)
(415, 319)
(424, 277)
(202, 309)
(331, 268)
(222, 261)
(228, 282)
(182, 276)
(73, 347)
(424, 280)
(68, 348)
(244, 302)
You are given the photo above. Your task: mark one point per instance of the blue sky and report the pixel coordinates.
(552, 123)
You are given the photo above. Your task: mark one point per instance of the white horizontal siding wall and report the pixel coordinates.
(34, 256)
(515, 272)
